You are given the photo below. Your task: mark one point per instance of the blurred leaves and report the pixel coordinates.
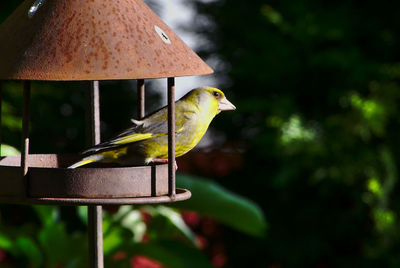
(125, 231)
(27, 247)
(208, 198)
(5, 242)
(166, 221)
(169, 253)
(158, 232)
(293, 130)
(47, 244)
(7, 150)
(318, 112)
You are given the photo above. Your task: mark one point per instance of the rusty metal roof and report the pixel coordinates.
(92, 40)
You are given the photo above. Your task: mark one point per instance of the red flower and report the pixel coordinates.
(144, 262)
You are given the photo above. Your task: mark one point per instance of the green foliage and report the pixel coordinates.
(317, 88)
(47, 242)
(209, 198)
(44, 244)
(166, 221)
(7, 150)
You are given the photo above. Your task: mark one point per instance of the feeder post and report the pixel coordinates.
(141, 100)
(25, 133)
(171, 137)
(95, 213)
(1, 102)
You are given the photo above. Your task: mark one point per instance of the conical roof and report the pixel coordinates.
(92, 40)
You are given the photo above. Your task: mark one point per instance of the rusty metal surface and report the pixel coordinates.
(47, 178)
(92, 40)
(11, 184)
(95, 236)
(141, 112)
(1, 115)
(25, 133)
(171, 136)
(95, 213)
(93, 120)
(181, 195)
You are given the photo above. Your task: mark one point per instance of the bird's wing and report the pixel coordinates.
(155, 125)
(130, 135)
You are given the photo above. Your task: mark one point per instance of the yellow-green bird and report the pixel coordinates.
(147, 140)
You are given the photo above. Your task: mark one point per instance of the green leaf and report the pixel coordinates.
(190, 256)
(54, 241)
(62, 248)
(47, 214)
(7, 150)
(83, 213)
(5, 242)
(29, 249)
(115, 238)
(122, 212)
(209, 198)
(174, 219)
(76, 262)
(133, 221)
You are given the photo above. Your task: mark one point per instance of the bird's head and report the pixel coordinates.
(212, 97)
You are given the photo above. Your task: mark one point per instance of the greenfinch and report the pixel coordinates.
(147, 140)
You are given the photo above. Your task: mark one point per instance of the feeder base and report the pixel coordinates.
(49, 182)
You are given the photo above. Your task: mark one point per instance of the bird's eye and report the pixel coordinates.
(216, 94)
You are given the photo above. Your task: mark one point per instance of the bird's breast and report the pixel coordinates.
(189, 130)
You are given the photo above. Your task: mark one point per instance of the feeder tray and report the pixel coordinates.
(49, 183)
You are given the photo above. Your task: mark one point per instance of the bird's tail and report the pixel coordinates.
(87, 160)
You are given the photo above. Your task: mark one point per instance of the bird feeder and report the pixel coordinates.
(90, 40)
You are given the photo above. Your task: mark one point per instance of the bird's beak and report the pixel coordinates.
(225, 105)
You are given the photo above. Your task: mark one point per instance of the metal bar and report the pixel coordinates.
(171, 137)
(95, 224)
(95, 213)
(1, 106)
(25, 134)
(140, 95)
(94, 113)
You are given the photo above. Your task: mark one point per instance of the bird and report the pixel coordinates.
(146, 141)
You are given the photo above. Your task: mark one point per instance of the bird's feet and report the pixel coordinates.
(164, 161)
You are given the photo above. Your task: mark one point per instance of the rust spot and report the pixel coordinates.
(66, 32)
